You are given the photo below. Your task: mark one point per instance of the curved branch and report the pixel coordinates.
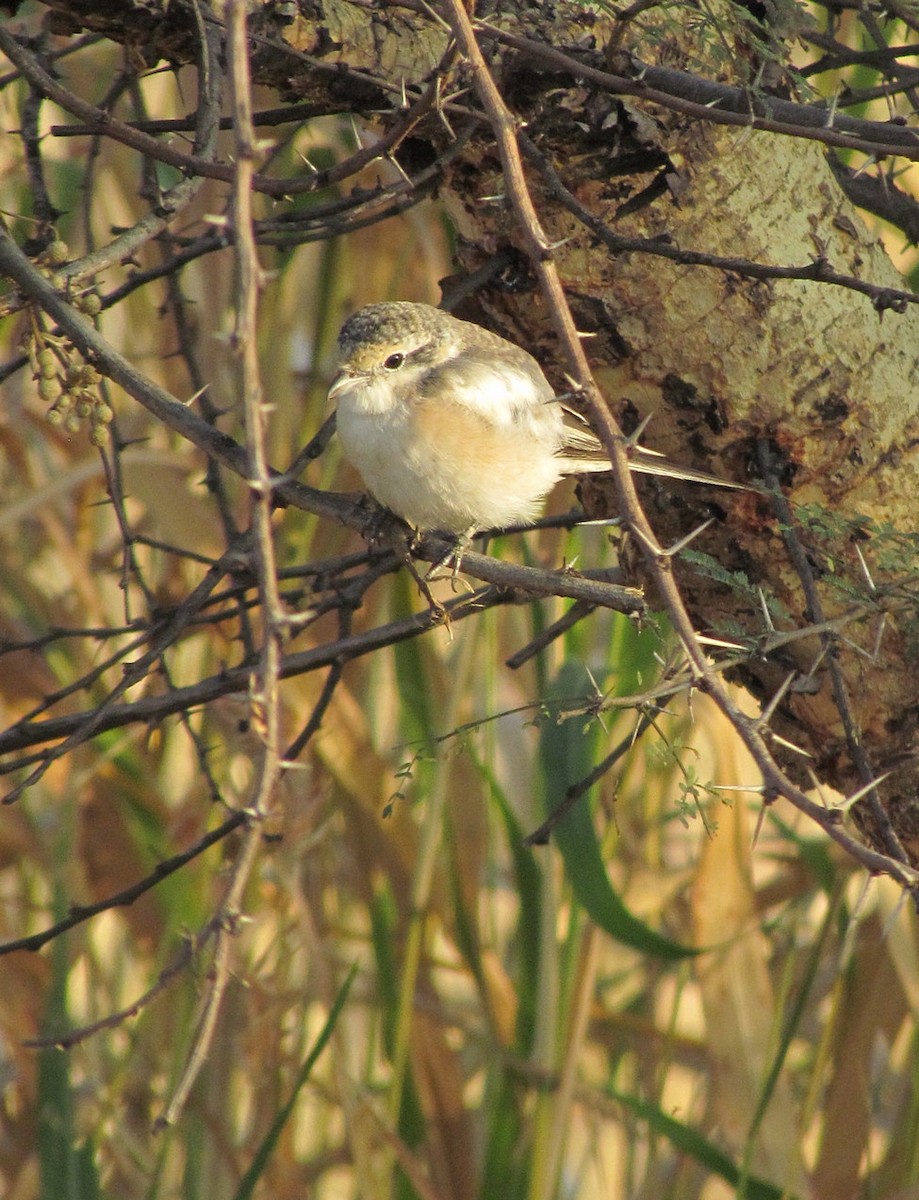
(511, 583)
(818, 270)
(722, 103)
(753, 732)
(84, 912)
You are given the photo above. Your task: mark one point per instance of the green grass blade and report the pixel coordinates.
(699, 1148)
(528, 889)
(270, 1140)
(567, 750)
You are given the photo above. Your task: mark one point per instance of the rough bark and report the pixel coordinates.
(725, 363)
(722, 363)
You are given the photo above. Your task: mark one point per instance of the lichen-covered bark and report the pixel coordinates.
(722, 361)
(719, 359)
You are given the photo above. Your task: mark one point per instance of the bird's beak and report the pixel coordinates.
(341, 383)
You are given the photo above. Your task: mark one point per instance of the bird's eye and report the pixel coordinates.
(394, 362)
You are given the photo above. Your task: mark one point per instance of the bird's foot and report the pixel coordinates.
(454, 555)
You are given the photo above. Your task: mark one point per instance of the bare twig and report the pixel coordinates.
(511, 583)
(818, 270)
(126, 244)
(263, 691)
(814, 614)
(577, 791)
(127, 896)
(190, 950)
(722, 104)
(134, 672)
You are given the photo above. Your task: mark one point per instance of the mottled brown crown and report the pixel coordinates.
(393, 323)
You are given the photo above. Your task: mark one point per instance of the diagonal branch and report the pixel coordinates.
(723, 104)
(659, 564)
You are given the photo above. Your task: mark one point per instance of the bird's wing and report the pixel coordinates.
(581, 450)
(501, 388)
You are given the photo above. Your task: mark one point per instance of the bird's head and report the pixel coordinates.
(384, 351)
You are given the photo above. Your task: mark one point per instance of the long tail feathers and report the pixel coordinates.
(583, 453)
(648, 462)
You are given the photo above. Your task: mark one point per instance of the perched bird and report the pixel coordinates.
(454, 428)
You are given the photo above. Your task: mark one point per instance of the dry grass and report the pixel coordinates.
(495, 1040)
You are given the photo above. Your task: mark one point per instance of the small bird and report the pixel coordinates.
(456, 429)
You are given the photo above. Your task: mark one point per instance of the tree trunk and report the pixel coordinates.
(722, 363)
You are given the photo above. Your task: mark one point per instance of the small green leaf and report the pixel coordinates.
(270, 1140)
(567, 756)
(699, 1148)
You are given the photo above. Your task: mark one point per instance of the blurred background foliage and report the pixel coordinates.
(421, 1004)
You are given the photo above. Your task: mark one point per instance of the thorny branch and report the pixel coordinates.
(752, 733)
(264, 699)
(337, 588)
(819, 269)
(722, 104)
(84, 912)
(511, 583)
